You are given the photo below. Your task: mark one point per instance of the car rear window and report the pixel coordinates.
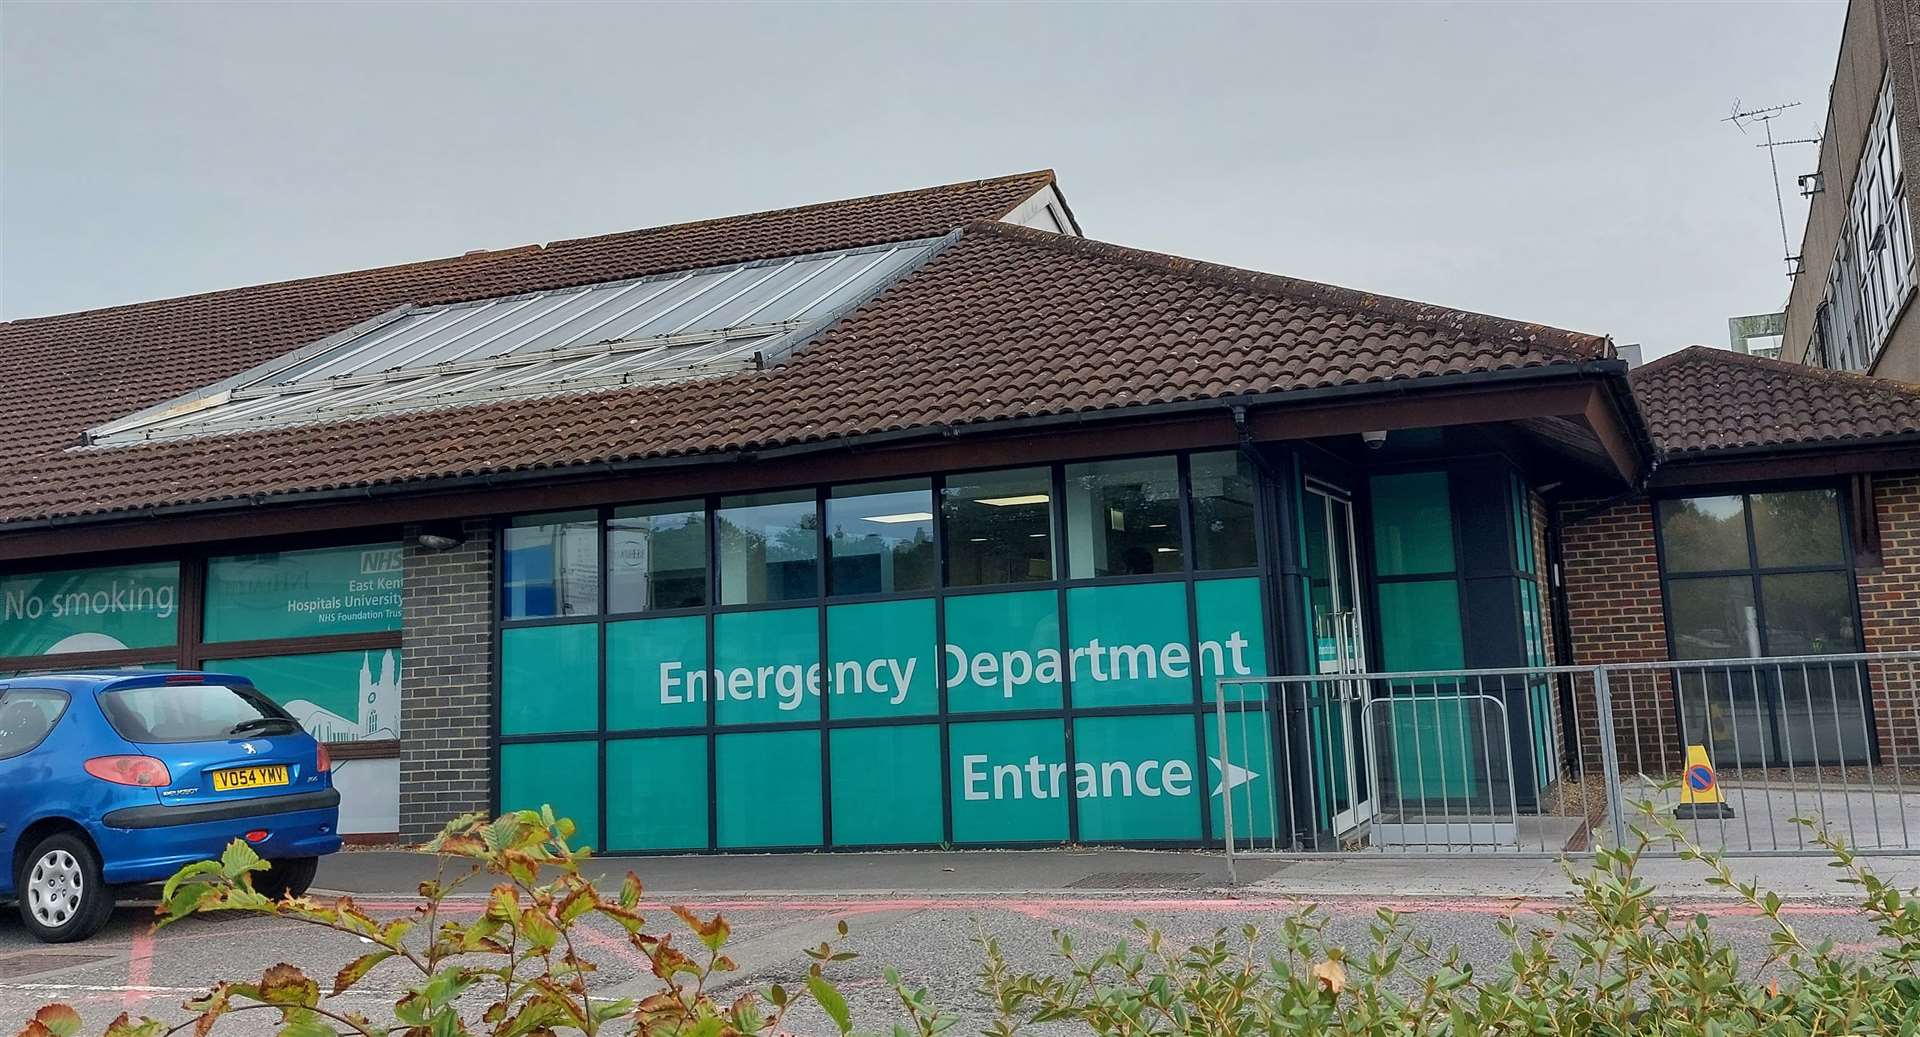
(192, 713)
(27, 715)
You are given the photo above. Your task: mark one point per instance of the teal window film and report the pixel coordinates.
(1250, 771)
(1412, 524)
(1137, 778)
(337, 696)
(1130, 644)
(1230, 617)
(310, 593)
(1009, 781)
(767, 666)
(657, 673)
(550, 566)
(90, 610)
(657, 793)
(1003, 651)
(882, 659)
(769, 792)
(549, 679)
(1008, 649)
(1420, 625)
(886, 785)
(563, 775)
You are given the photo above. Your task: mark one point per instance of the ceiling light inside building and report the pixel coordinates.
(1009, 502)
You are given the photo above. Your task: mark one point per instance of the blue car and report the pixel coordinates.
(110, 780)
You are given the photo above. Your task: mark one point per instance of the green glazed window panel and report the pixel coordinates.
(1809, 613)
(657, 673)
(1130, 644)
(1003, 651)
(657, 793)
(328, 590)
(549, 679)
(1420, 625)
(768, 666)
(1412, 524)
(1700, 534)
(1137, 778)
(1436, 743)
(336, 696)
(657, 557)
(882, 659)
(90, 610)
(562, 775)
(1233, 637)
(1247, 771)
(1801, 527)
(1010, 781)
(1712, 617)
(1224, 528)
(550, 566)
(769, 793)
(1123, 518)
(886, 786)
(998, 527)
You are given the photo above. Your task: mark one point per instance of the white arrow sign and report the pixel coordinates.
(1236, 775)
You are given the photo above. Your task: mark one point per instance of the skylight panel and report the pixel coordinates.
(692, 324)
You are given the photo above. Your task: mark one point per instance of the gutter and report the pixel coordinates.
(1578, 370)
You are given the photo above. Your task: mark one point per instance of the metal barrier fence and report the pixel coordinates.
(1548, 760)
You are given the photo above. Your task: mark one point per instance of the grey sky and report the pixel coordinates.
(1559, 163)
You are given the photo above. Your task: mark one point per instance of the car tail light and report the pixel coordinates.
(142, 771)
(322, 759)
(258, 835)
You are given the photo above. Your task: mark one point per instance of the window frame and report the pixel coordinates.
(826, 720)
(1753, 570)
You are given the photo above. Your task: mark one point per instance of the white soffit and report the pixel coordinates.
(660, 328)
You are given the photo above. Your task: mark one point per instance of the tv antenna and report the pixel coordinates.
(1740, 118)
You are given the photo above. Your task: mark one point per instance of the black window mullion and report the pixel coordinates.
(821, 657)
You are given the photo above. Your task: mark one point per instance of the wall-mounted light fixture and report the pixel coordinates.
(440, 537)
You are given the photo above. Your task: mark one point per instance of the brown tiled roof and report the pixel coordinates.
(65, 374)
(1005, 323)
(1702, 400)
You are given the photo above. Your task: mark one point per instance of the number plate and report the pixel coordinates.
(249, 778)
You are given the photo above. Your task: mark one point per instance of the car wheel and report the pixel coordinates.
(288, 877)
(62, 896)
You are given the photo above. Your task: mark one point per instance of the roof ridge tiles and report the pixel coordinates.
(1388, 307)
(1714, 354)
(477, 257)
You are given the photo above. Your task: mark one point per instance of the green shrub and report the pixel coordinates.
(1614, 962)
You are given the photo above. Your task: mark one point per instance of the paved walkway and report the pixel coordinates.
(1103, 872)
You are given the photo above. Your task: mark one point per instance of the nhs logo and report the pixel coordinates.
(380, 560)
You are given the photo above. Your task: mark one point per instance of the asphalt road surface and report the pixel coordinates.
(932, 939)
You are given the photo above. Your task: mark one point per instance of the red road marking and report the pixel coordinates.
(139, 967)
(1218, 905)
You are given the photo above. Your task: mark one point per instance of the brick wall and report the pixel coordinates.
(446, 682)
(1890, 618)
(1615, 614)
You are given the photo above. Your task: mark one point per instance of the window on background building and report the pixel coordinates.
(1872, 272)
(1223, 513)
(880, 538)
(769, 547)
(551, 566)
(1123, 518)
(657, 557)
(999, 527)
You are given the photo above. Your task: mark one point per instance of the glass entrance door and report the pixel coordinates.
(1339, 749)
